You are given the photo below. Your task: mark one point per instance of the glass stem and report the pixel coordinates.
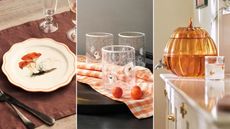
(49, 19)
(75, 29)
(73, 35)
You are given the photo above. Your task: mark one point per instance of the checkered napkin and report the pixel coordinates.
(91, 74)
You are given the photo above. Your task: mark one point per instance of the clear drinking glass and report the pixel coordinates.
(214, 67)
(49, 8)
(136, 40)
(94, 42)
(118, 63)
(71, 34)
(214, 90)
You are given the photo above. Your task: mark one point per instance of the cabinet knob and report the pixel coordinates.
(183, 110)
(171, 117)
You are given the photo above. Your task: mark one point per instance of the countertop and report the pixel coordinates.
(203, 95)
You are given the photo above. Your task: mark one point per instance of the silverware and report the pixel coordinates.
(24, 119)
(9, 99)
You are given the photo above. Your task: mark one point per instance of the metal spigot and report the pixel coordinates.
(159, 65)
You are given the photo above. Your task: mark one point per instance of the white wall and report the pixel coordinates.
(219, 30)
(114, 16)
(225, 41)
(224, 38)
(204, 17)
(169, 14)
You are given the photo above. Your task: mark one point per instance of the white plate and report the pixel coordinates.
(54, 55)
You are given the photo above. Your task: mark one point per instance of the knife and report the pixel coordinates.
(46, 119)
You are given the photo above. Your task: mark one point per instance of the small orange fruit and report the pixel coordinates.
(136, 92)
(117, 92)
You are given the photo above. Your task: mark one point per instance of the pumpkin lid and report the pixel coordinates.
(190, 32)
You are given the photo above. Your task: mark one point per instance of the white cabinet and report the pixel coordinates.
(187, 106)
(185, 117)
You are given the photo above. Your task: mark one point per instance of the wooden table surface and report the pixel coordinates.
(16, 12)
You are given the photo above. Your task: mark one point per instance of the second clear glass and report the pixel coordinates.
(71, 34)
(214, 67)
(136, 40)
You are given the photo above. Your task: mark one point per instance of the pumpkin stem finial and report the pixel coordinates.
(190, 23)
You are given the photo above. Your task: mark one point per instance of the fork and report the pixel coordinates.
(11, 100)
(29, 124)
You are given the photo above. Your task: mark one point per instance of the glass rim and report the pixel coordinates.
(125, 34)
(104, 49)
(99, 34)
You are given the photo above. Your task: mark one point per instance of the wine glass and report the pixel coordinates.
(48, 25)
(71, 34)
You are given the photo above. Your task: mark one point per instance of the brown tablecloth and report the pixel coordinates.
(59, 103)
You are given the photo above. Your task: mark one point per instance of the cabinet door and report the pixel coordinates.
(170, 109)
(171, 118)
(186, 118)
(190, 118)
(180, 111)
(167, 108)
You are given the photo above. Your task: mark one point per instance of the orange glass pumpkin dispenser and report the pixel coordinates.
(185, 51)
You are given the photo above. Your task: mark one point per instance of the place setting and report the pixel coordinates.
(38, 67)
(112, 78)
(37, 70)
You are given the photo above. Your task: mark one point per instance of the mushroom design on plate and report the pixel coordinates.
(29, 61)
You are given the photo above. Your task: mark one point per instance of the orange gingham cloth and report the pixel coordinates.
(91, 74)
